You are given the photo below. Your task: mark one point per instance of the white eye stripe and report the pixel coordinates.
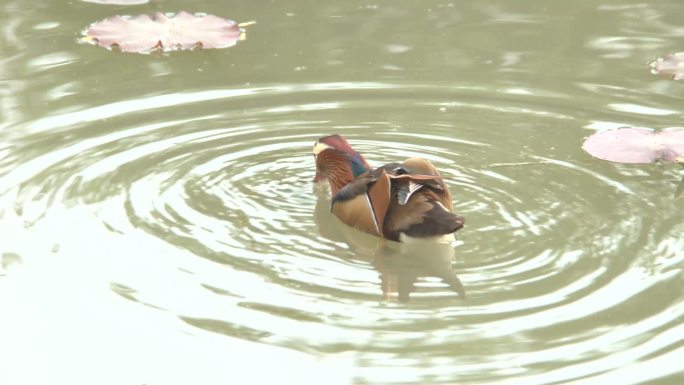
(320, 147)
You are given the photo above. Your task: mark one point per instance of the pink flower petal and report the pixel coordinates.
(166, 32)
(636, 145)
(669, 65)
(117, 2)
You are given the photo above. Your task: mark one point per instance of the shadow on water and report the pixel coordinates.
(403, 267)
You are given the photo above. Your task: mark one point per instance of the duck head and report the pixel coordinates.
(337, 162)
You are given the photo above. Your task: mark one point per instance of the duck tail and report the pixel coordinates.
(436, 221)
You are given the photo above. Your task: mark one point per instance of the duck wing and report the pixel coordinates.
(409, 198)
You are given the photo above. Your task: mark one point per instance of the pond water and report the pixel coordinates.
(159, 224)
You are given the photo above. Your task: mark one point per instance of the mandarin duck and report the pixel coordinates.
(398, 201)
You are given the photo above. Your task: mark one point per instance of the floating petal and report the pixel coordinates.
(636, 145)
(165, 32)
(669, 65)
(118, 2)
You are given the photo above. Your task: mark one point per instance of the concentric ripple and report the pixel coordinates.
(211, 216)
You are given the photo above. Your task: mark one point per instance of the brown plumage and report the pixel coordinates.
(396, 201)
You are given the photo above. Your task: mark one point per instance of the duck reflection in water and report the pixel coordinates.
(400, 265)
(407, 205)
